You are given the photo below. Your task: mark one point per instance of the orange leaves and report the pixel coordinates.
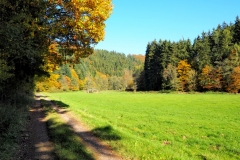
(234, 85)
(48, 84)
(183, 70)
(211, 78)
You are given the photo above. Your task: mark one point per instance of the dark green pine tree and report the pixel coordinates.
(236, 31)
(226, 42)
(158, 64)
(151, 68)
(148, 57)
(166, 52)
(221, 43)
(201, 47)
(179, 51)
(173, 55)
(215, 44)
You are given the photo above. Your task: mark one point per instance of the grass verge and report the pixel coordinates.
(67, 144)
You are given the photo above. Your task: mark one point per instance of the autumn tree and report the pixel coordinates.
(101, 81)
(211, 78)
(183, 70)
(29, 27)
(128, 79)
(229, 63)
(77, 25)
(192, 82)
(234, 85)
(74, 80)
(48, 84)
(115, 83)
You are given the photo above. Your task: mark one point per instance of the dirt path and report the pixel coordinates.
(36, 145)
(100, 150)
(34, 141)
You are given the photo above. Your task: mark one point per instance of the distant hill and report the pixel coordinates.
(104, 70)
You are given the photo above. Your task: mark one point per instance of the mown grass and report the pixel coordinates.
(67, 145)
(163, 126)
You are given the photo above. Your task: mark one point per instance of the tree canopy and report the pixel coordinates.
(209, 63)
(37, 35)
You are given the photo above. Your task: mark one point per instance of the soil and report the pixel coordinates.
(35, 142)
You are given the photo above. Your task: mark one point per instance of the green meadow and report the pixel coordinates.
(147, 125)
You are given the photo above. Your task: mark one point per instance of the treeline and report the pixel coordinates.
(210, 63)
(103, 70)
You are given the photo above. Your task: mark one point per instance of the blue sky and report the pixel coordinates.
(134, 23)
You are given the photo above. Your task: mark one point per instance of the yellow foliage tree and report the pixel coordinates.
(74, 81)
(48, 84)
(53, 58)
(128, 79)
(81, 84)
(101, 81)
(183, 70)
(80, 24)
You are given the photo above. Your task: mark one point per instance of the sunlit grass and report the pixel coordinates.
(67, 145)
(163, 126)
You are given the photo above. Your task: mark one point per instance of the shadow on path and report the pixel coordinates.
(41, 146)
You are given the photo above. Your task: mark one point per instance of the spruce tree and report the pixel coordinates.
(236, 31)
(201, 47)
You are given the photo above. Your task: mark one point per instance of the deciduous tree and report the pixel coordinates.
(211, 78)
(170, 77)
(234, 85)
(183, 70)
(31, 28)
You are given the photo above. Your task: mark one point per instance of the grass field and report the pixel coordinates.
(161, 126)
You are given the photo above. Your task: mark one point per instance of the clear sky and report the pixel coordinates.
(134, 23)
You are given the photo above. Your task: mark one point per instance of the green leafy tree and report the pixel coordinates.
(170, 78)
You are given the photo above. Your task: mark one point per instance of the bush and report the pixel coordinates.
(13, 115)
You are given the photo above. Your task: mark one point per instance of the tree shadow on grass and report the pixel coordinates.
(67, 145)
(60, 104)
(106, 133)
